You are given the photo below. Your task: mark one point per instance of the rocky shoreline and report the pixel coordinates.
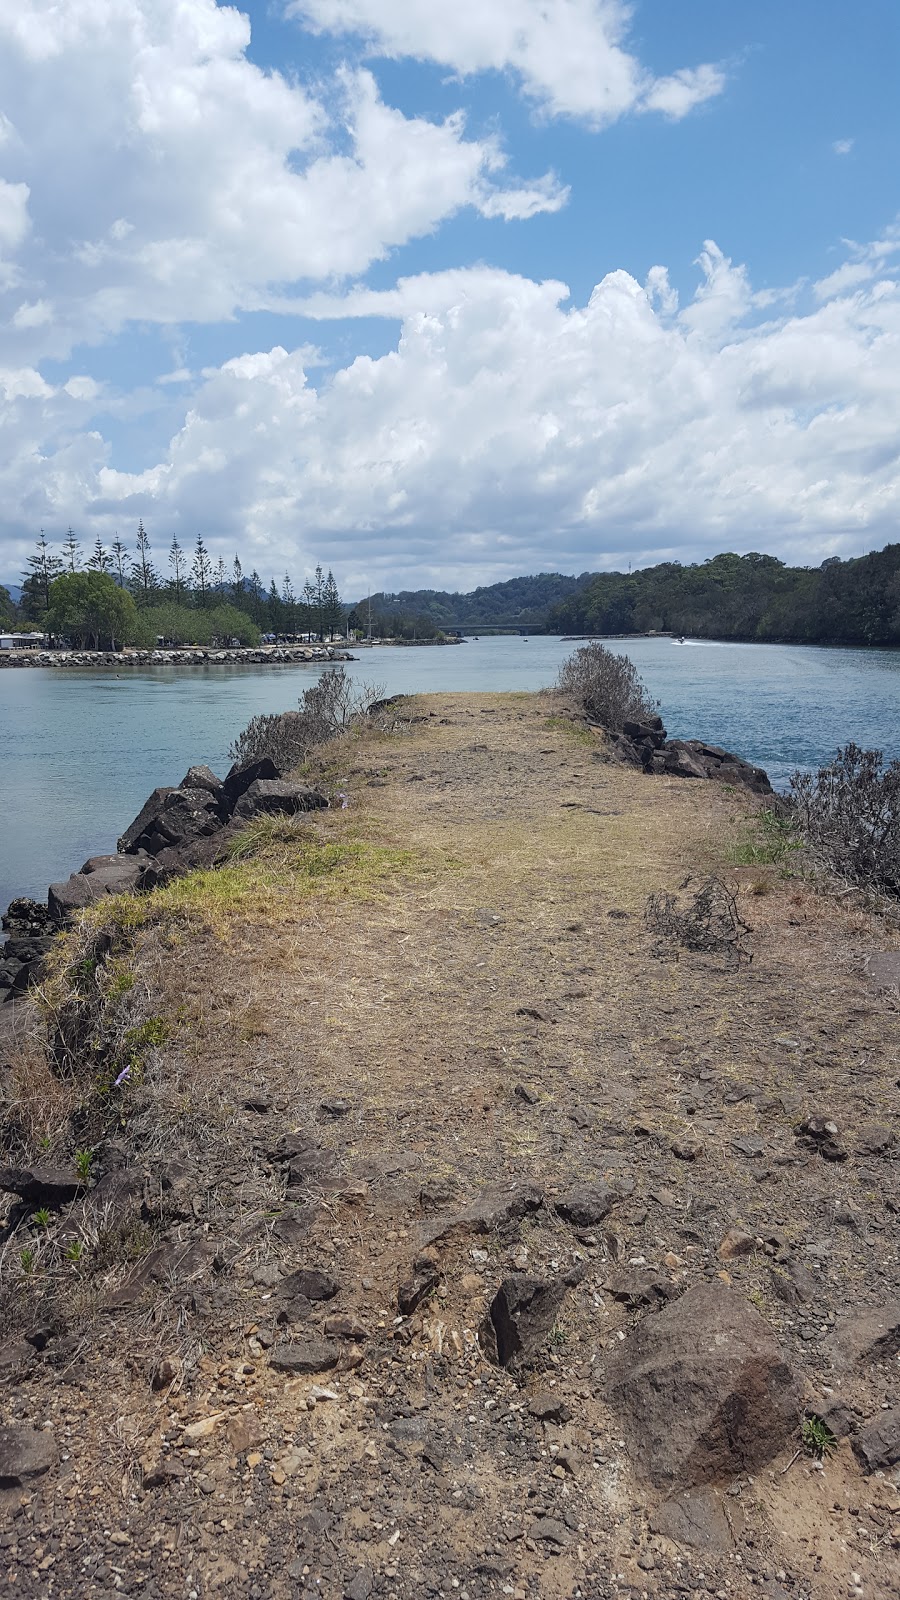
(648, 746)
(176, 830)
(290, 655)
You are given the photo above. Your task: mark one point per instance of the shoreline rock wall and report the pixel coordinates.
(265, 656)
(176, 830)
(647, 745)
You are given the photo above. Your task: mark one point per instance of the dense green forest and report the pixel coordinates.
(745, 597)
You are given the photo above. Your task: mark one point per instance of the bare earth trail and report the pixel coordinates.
(355, 1076)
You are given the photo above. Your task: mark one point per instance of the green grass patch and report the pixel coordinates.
(770, 841)
(573, 730)
(273, 863)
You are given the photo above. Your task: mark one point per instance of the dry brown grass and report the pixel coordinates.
(476, 927)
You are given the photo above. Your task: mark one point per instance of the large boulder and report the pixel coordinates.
(151, 807)
(275, 796)
(41, 1186)
(239, 779)
(202, 778)
(866, 1336)
(25, 1453)
(877, 1445)
(702, 1391)
(681, 761)
(175, 817)
(692, 758)
(100, 876)
(650, 733)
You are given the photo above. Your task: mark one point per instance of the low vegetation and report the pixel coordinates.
(772, 840)
(606, 687)
(329, 708)
(706, 920)
(849, 815)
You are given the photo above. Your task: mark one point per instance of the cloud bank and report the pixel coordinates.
(509, 431)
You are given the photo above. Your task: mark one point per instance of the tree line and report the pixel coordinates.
(118, 596)
(750, 597)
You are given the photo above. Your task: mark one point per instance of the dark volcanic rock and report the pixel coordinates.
(151, 807)
(202, 778)
(239, 778)
(875, 1140)
(41, 1186)
(877, 1445)
(416, 1289)
(702, 1390)
(495, 1208)
(520, 1318)
(311, 1283)
(714, 763)
(101, 875)
(639, 1286)
(311, 1166)
(275, 796)
(25, 1453)
(549, 1408)
(310, 1355)
(174, 817)
(872, 1334)
(587, 1205)
(694, 1518)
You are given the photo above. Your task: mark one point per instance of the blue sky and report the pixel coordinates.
(319, 281)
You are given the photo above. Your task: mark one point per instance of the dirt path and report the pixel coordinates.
(496, 1015)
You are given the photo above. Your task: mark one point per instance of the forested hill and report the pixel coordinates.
(517, 603)
(745, 597)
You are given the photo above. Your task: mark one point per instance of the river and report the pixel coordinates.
(81, 750)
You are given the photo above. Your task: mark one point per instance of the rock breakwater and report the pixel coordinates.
(277, 655)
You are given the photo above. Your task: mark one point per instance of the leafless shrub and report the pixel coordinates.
(606, 686)
(849, 813)
(707, 920)
(330, 707)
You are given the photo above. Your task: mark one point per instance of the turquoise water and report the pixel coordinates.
(82, 750)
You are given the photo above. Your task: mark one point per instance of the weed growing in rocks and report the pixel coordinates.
(327, 709)
(816, 1437)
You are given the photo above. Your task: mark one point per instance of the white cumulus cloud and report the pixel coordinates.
(570, 56)
(151, 171)
(509, 430)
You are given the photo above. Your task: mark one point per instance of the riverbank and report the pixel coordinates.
(411, 1076)
(192, 656)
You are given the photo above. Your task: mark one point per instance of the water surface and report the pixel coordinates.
(81, 750)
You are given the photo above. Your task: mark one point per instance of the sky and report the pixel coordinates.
(439, 294)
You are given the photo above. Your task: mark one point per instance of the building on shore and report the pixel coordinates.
(23, 641)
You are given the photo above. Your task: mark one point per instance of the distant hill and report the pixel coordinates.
(745, 597)
(519, 602)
